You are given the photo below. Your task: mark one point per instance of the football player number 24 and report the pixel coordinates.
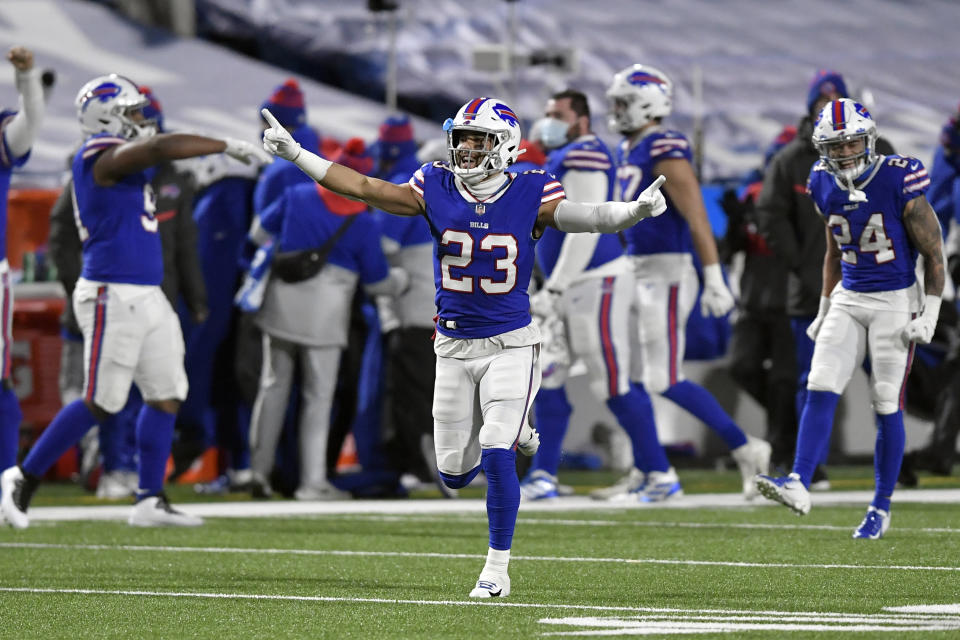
(465, 284)
(873, 239)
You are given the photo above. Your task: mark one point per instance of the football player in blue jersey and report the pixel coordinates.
(639, 98)
(878, 221)
(585, 302)
(485, 222)
(17, 132)
(130, 331)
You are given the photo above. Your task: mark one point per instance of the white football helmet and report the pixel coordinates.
(105, 105)
(638, 95)
(839, 123)
(499, 125)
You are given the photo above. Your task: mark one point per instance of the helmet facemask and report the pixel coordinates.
(638, 95)
(475, 153)
(852, 165)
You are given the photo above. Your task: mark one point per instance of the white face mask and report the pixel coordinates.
(553, 133)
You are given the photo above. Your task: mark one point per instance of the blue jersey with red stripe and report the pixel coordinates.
(484, 250)
(7, 163)
(876, 253)
(116, 223)
(668, 232)
(580, 155)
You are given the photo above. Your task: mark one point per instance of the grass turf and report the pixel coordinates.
(407, 576)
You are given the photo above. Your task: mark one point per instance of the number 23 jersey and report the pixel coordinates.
(484, 250)
(876, 253)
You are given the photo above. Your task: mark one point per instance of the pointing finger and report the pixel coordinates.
(271, 120)
(655, 185)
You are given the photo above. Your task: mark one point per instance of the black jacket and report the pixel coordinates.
(789, 222)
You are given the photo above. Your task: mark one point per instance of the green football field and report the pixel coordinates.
(710, 564)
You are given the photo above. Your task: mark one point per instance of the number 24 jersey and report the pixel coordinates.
(876, 253)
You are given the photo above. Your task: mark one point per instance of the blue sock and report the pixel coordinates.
(698, 401)
(154, 438)
(503, 495)
(551, 411)
(634, 412)
(459, 482)
(69, 425)
(813, 435)
(887, 457)
(10, 418)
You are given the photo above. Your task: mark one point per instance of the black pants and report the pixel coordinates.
(764, 365)
(410, 375)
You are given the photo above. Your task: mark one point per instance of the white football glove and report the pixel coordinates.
(921, 328)
(716, 299)
(650, 203)
(277, 140)
(814, 327)
(245, 152)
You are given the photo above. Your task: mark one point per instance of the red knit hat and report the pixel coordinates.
(286, 104)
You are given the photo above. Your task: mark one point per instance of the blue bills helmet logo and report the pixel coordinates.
(506, 114)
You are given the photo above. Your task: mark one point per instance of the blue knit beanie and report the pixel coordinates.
(825, 82)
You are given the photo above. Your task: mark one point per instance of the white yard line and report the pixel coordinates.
(274, 508)
(628, 621)
(462, 556)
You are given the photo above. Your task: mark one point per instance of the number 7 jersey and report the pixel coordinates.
(876, 253)
(484, 250)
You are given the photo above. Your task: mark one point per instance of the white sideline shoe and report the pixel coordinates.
(661, 486)
(325, 491)
(630, 483)
(156, 511)
(491, 585)
(753, 458)
(539, 485)
(117, 484)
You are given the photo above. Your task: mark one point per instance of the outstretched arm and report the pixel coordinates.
(136, 155)
(398, 199)
(603, 217)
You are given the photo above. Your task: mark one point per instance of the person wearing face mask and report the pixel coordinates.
(583, 307)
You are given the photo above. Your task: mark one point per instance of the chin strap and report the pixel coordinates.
(855, 194)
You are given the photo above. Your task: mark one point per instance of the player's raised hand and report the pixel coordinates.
(650, 202)
(21, 58)
(245, 152)
(277, 140)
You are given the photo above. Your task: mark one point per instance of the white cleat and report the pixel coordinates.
(491, 585)
(630, 484)
(529, 439)
(874, 524)
(787, 490)
(16, 493)
(753, 458)
(156, 511)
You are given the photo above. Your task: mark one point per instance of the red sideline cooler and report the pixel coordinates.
(35, 366)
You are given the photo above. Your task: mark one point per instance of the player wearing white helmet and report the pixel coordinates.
(877, 221)
(130, 331)
(639, 98)
(485, 222)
